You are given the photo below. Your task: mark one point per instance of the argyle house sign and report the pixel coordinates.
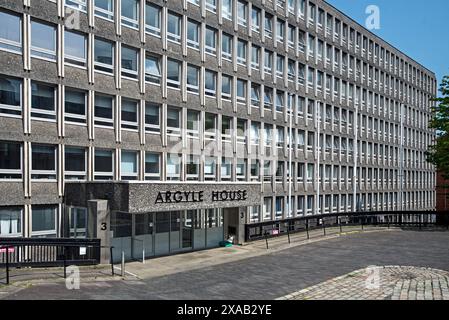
(198, 196)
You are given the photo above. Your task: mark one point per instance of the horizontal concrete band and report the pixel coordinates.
(140, 197)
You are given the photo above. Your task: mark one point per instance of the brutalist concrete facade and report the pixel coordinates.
(359, 107)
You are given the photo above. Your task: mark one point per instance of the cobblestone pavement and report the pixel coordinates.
(380, 283)
(270, 276)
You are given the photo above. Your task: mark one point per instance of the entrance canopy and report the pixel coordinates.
(140, 197)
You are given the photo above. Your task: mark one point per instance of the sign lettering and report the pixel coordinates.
(198, 196)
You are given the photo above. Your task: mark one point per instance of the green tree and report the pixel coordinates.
(438, 154)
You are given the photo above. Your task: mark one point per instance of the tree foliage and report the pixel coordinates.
(438, 154)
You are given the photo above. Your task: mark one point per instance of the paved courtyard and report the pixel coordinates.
(380, 283)
(271, 275)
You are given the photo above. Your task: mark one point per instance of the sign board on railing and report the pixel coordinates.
(10, 250)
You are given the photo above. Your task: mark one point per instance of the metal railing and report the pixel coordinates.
(45, 252)
(308, 223)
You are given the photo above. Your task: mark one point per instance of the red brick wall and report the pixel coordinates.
(442, 193)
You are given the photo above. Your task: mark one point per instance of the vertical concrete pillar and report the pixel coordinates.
(98, 225)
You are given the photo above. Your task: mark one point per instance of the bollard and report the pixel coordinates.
(143, 255)
(123, 263)
(112, 261)
(339, 222)
(65, 263)
(307, 229)
(288, 234)
(266, 238)
(7, 265)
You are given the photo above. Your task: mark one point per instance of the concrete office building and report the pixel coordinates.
(168, 125)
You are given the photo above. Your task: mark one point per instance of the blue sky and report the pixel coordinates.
(416, 27)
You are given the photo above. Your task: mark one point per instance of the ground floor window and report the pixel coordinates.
(10, 221)
(44, 221)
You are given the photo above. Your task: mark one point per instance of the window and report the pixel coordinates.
(129, 62)
(241, 52)
(43, 221)
(193, 119)
(129, 165)
(104, 115)
(211, 41)
(211, 5)
(255, 57)
(255, 15)
(104, 56)
(104, 9)
(241, 170)
(75, 106)
(76, 4)
(291, 36)
(104, 165)
(153, 69)
(301, 41)
(153, 19)
(226, 87)
(255, 95)
(280, 60)
(10, 96)
(241, 131)
(193, 34)
(74, 49)
(43, 41)
(43, 162)
(152, 117)
(226, 169)
(255, 169)
(174, 27)
(193, 78)
(268, 99)
(10, 222)
(241, 91)
(173, 121)
(210, 83)
(129, 114)
(75, 163)
(10, 160)
(279, 101)
(130, 13)
(43, 101)
(242, 13)
(210, 126)
(267, 206)
(210, 168)
(152, 166)
(291, 70)
(173, 73)
(10, 32)
(226, 9)
(173, 166)
(226, 128)
(268, 63)
(279, 207)
(193, 167)
(226, 46)
(268, 25)
(280, 30)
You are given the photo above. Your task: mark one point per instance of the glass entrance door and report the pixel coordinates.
(78, 222)
(187, 229)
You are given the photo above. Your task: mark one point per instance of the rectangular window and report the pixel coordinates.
(226, 128)
(255, 95)
(226, 87)
(242, 13)
(130, 114)
(241, 170)
(193, 78)
(226, 9)
(280, 60)
(130, 58)
(280, 30)
(75, 163)
(43, 41)
(10, 97)
(193, 167)
(152, 166)
(226, 169)
(74, 49)
(255, 57)
(77, 4)
(211, 5)
(209, 169)
(104, 9)
(211, 41)
(129, 165)
(268, 62)
(130, 13)
(43, 221)
(173, 167)
(104, 110)
(255, 23)
(10, 222)
(103, 56)
(193, 34)
(268, 25)
(268, 99)
(152, 117)
(43, 101)
(43, 162)
(173, 121)
(241, 91)
(226, 47)
(10, 32)
(241, 52)
(174, 27)
(104, 165)
(75, 106)
(210, 83)
(173, 74)
(153, 19)
(153, 69)
(255, 169)
(193, 119)
(10, 160)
